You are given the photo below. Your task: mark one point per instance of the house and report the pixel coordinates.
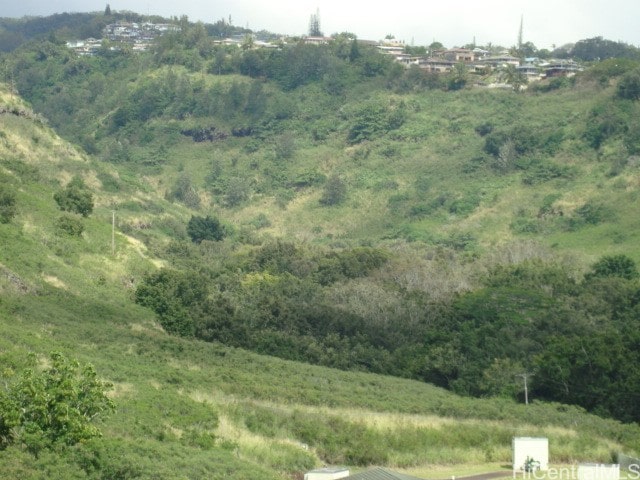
(458, 55)
(562, 68)
(380, 474)
(394, 50)
(500, 61)
(534, 449)
(436, 65)
(530, 71)
(316, 40)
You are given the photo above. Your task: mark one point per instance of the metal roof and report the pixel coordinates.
(380, 474)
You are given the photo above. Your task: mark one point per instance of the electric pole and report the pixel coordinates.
(113, 232)
(525, 376)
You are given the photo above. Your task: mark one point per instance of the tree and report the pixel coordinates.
(514, 77)
(75, 198)
(354, 51)
(458, 77)
(248, 42)
(499, 379)
(205, 228)
(614, 266)
(107, 10)
(435, 46)
(237, 191)
(373, 119)
(184, 191)
(314, 25)
(173, 296)
(335, 191)
(629, 85)
(57, 406)
(598, 48)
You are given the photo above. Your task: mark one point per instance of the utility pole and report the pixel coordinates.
(525, 376)
(113, 232)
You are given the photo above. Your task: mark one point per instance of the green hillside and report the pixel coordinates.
(188, 409)
(180, 218)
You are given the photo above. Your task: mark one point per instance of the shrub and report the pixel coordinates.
(205, 228)
(170, 294)
(605, 121)
(238, 190)
(484, 129)
(69, 225)
(526, 139)
(7, 204)
(184, 191)
(75, 198)
(545, 171)
(525, 225)
(629, 85)
(56, 406)
(374, 119)
(614, 266)
(335, 191)
(594, 213)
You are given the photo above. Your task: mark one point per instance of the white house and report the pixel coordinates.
(530, 448)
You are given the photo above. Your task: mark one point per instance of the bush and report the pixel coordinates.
(484, 129)
(69, 225)
(335, 191)
(56, 406)
(238, 190)
(545, 171)
(184, 191)
(374, 119)
(526, 139)
(594, 213)
(629, 85)
(7, 204)
(605, 121)
(171, 295)
(614, 266)
(75, 198)
(205, 228)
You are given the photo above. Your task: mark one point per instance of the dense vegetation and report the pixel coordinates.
(320, 204)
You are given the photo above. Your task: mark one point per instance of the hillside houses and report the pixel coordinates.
(480, 61)
(140, 36)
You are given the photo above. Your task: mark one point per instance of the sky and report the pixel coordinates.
(546, 23)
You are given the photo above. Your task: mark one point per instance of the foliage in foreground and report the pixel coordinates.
(55, 407)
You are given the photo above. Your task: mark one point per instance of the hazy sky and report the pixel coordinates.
(454, 23)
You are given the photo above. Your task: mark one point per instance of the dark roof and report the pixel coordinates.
(380, 474)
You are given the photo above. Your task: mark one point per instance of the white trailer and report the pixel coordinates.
(533, 449)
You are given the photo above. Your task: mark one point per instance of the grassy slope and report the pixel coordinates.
(434, 147)
(274, 417)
